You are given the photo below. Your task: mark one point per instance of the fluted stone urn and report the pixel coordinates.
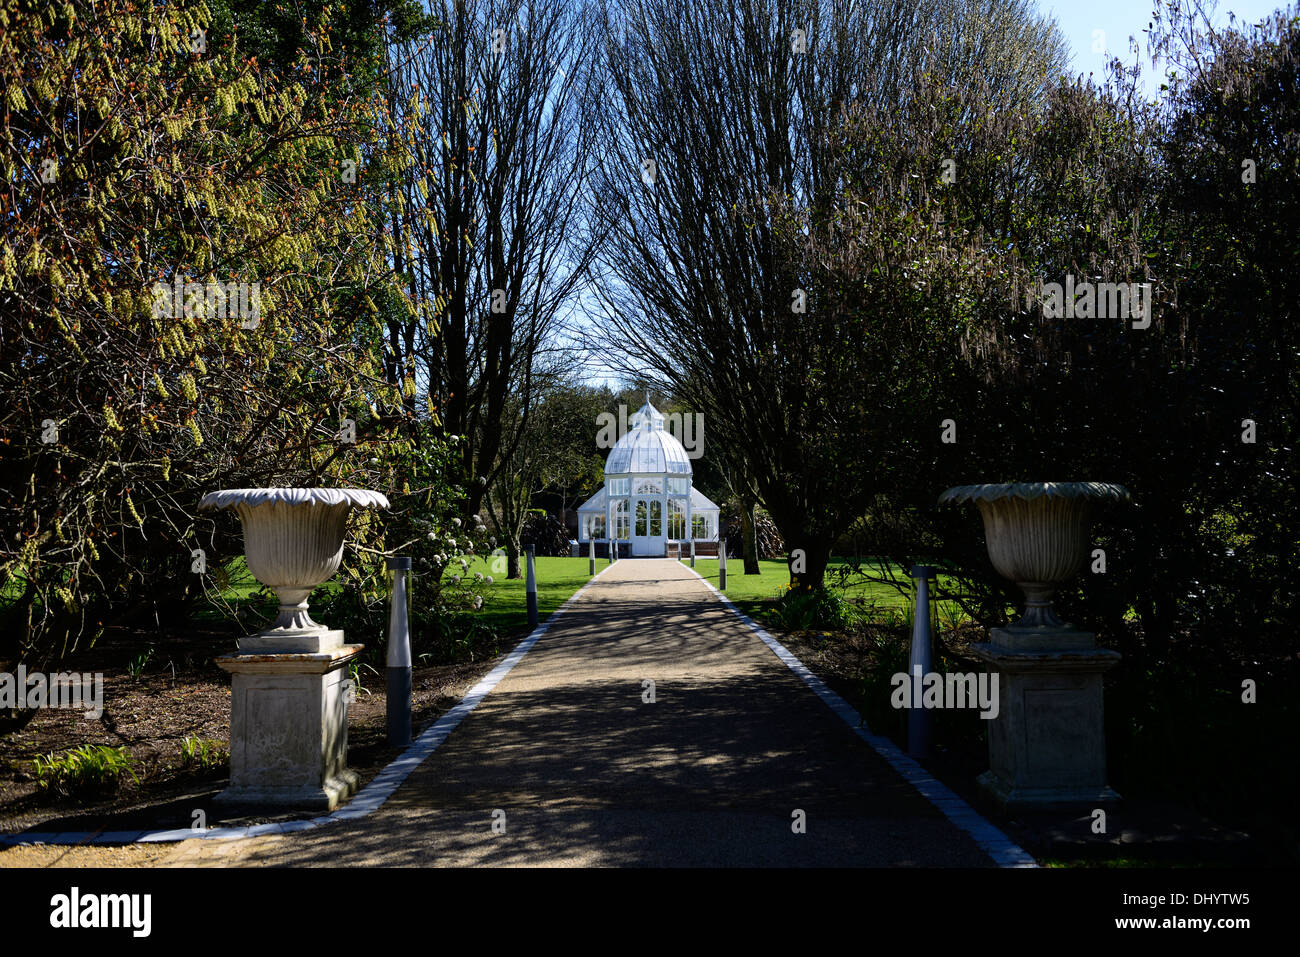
(293, 542)
(288, 711)
(1037, 535)
(1047, 746)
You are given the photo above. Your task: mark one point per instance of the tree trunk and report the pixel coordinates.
(749, 538)
(513, 551)
(812, 555)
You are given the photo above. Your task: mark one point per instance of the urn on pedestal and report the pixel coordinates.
(288, 721)
(1047, 746)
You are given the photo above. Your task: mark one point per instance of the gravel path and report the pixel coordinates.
(577, 769)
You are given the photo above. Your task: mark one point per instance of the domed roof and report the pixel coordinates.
(648, 447)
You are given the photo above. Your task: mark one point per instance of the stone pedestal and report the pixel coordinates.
(289, 726)
(1047, 746)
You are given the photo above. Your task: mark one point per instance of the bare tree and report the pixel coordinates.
(487, 119)
(524, 472)
(721, 155)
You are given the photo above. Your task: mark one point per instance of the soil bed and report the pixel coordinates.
(181, 693)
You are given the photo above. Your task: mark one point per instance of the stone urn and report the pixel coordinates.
(293, 542)
(1037, 535)
(289, 685)
(1047, 746)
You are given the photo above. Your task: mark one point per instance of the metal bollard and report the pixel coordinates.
(399, 658)
(918, 718)
(532, 588)
(692, 553)
(722, 564)
(591, 556)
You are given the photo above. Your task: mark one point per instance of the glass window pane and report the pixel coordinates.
(640, 519)
(676, 518)
(656, 518)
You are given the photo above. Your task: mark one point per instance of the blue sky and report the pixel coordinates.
(1120, 19)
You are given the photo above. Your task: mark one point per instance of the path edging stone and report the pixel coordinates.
(1004, 851)
(368, 800)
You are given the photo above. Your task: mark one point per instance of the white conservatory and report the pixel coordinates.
(648, 501)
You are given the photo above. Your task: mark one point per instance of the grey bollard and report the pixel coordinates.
(722, 564)
(399, 658)
(692, 553)
(591, 556)
(918, 718)
(532, 588)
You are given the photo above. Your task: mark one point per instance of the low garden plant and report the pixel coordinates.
(93, 770)
(203, 753)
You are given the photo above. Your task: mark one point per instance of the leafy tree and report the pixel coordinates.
(1108, 189)
(1230, 198)
(276, 34)
(137, 158)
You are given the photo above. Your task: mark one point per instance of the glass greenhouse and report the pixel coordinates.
(648, 504)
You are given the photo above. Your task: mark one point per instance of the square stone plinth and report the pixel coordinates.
(311, 643)
(289, 729)
(1047, 746)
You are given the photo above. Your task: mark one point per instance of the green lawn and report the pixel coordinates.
(505, 601)
(242, 583)
(505, 608)
(752, 593)
(774, 578)
(240, 588)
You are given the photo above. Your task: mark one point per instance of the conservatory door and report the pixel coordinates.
(648, 527)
